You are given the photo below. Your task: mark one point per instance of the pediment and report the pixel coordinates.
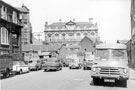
(70, 23)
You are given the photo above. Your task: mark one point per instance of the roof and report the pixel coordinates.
(23, 10)
(88, 44)
(40, 47)
(122, 41)
(61, 25)
(111, 46)
(4, 2)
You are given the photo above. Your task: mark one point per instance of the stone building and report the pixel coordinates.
(132, 44)
(10, 32)
(70, 32)
(27, 28)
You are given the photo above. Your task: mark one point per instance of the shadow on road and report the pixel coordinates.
(51, 71)
(105, 84)
(1, 78)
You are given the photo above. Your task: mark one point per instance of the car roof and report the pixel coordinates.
(111, 46)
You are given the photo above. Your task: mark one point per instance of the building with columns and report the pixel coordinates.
(71, 32)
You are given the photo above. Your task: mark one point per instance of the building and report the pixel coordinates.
(10, 32)
(27, 28)
(122, 41)
(132, 45)
(39, 51)
(70, 32)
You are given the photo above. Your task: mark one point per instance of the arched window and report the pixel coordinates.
(4, 36)
(49, 34)
(85, 34)
(63, 34)
(78, 34)
(71, 34)
(56, 34)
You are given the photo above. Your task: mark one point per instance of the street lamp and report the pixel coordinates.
(84, 53)
(84, 56)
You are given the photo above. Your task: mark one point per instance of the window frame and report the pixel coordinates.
(4, 36)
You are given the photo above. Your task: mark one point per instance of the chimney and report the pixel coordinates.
(91, 20)
(73, 20)
(46, 24)
(60, 20)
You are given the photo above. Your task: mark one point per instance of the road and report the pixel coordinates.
(65, 79)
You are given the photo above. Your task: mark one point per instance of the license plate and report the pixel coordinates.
(109, 80)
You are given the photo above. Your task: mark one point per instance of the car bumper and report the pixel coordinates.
(50, 67)
(116, 77)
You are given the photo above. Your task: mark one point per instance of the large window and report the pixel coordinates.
(4, 36)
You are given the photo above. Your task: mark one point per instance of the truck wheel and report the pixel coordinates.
(96, 81)
(124, 83)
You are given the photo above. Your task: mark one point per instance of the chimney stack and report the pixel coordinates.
(46, 23)
(91, 20)
(60, 20)
(73, 20)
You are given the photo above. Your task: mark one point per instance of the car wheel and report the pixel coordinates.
(28, 70)
(84, 68)
(21, 71)
(36, 68)
(7, 73)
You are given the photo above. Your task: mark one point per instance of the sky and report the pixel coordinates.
(112, 16)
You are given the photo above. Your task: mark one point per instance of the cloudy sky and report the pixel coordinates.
(112, 16)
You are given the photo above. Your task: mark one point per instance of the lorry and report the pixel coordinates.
(110, 64)
(5, 65)
(88, 60)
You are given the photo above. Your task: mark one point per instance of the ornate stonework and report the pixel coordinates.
(70, 32)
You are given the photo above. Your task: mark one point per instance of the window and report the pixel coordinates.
(4, 36)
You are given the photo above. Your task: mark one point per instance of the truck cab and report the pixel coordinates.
(110, 64)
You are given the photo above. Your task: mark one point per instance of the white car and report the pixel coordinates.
(20, 67)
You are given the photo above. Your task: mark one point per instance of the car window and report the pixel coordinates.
(118, 54)
(102, 54)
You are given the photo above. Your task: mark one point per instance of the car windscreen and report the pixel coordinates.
(102, 54)
(118, 54)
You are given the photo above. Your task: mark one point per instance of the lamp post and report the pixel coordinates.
(84, 56)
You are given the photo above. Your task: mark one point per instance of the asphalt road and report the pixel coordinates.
(65, 79)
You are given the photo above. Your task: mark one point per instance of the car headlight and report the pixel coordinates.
(125, 70)
(93, 69)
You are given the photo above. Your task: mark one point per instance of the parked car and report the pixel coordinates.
(20, 67)
(74, 65)
(35, 65)
(52, 64)
(111, 64)
(5, 65)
